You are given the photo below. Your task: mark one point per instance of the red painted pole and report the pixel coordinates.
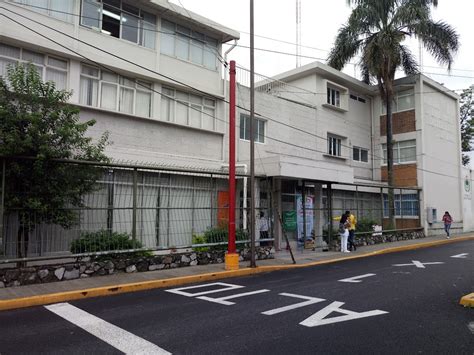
(231, 247)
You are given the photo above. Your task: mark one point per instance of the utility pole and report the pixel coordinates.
(252, 142)
(298, 33)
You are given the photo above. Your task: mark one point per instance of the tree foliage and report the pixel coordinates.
(466, 122)
(38, 127)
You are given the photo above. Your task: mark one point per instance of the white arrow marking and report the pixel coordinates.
(223, 300)
(460, 256)
(355, 279)
(310, 300)
(107, 332)
(419, 264)
(319, 317)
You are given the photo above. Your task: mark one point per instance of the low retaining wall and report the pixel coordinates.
(361, 240)
(83, 269)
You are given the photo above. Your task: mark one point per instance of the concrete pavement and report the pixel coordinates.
(39, 294)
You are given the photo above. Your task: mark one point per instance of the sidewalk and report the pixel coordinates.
(25, 296)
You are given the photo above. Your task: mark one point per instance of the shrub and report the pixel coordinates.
(365, 225)
(199, 239)
(217, 235)
(103, 240)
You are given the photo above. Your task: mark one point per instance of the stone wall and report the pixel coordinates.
(83, 269)
(362, 240)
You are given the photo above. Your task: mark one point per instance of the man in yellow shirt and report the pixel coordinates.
(352, 227)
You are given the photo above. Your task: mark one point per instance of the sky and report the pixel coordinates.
(320, 21)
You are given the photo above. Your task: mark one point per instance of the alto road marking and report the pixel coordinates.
(419, 264)
(107, 332)
(227, 287)
(460, 256)
(319, 318)
(356, 279)
(223, 300)
(310, 300)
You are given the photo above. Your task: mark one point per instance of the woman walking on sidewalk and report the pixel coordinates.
(447, 219)
(344, 232)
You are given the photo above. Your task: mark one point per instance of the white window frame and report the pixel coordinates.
(333, 97)
(359, 154)
(45, 65)
(259, 124)
(206, 107)
(143, 25)
(396, 99)
(191, 38)
(59, 14)
(396, 152)
(137, 87)
(334, 145)
(398, 201)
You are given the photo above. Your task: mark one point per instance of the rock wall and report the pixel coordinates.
(83, 269)
(361, 240)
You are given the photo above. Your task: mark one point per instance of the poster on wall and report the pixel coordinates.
(222, 209)
(309, 216)
(289, 221)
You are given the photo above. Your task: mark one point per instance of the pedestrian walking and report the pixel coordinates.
(352, 228)
(344, 232)
(447, 219)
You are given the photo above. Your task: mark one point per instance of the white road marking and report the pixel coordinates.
(109, 333)
(223, 300)
(310, 300)
(318, 318)
(470, 326)
(227, 287)
(460, 256)
(419, 264)
(355, 279)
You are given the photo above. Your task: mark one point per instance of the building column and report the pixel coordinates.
(277, 213)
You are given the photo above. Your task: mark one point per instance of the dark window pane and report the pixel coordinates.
(364, 155)
(355, 153)
(111, 21)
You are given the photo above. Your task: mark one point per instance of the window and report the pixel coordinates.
(60, 9)
(406, 205)
(186, 44)
(100, 88)
(334, 145)
(403, 101)
(120, 20)
(334, 97)
(49, 68)
(360, 154)
(403, 152)
(187, 109)
(357, 98)
(259, 129)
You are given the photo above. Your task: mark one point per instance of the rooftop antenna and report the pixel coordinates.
(298, 33)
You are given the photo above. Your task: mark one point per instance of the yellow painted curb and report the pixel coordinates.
(468, 300)
(176, 281)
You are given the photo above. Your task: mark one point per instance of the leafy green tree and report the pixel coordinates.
(37, 128)
(376, 30)
(467, 122)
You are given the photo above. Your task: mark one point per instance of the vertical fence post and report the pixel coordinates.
(303, 201)
(2, 204)
(134, 210)
(329, 200)
(402, 223)
(382, 209)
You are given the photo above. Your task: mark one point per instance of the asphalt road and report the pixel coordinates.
(401, 305)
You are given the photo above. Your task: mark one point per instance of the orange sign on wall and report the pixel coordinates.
(223, 208)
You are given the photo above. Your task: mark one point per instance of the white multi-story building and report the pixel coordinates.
(150, 73)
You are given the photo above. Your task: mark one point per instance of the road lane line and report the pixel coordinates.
(355, 279)
(107, 332)
(223, 300)
(460, 256)
(310, 300)
(419, 264)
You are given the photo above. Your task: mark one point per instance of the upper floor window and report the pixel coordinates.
(184, 43)
(406, 205)
(334, 146)
(360, 154)
(121, 20)
(187, 109)
(403, 101)
(60, 9)
(259, 129)
(104, 89)
(333, 97)
(357, 98)
(49, 68)
(403, 152)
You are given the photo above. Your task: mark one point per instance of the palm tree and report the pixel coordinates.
(376, 30)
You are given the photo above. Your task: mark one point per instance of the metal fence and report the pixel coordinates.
(130, 207)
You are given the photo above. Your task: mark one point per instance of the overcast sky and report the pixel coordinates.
(320, 23)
